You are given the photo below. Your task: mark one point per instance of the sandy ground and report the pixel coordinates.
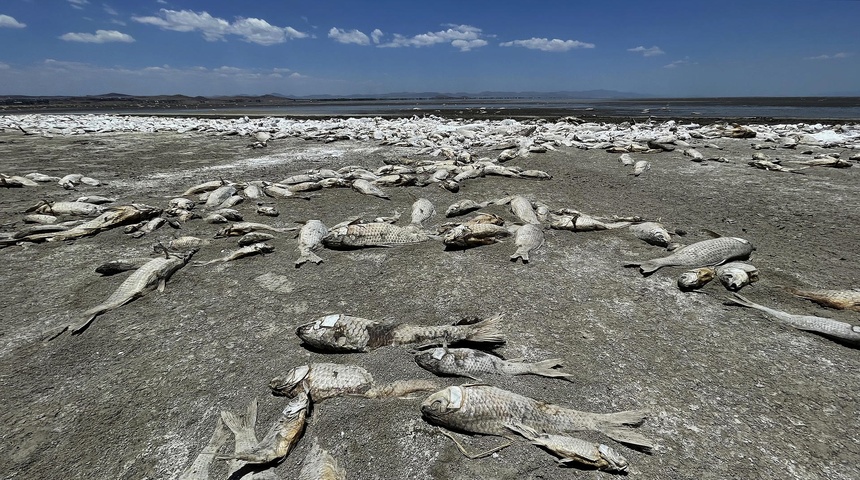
(732, 393)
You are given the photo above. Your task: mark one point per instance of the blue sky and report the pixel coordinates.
(341, 47)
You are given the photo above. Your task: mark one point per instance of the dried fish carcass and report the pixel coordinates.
(710, 252)
(736, 275)
(310, 239)
(468, 362)
(374, 234)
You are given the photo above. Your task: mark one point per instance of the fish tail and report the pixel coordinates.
(520, 253)
(740, 300)
(239, 424)
(308, 257)
(618, 426)
(649, 267)
(546, 368)
(487, 331)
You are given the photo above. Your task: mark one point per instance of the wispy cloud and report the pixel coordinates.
(647, 52)
(252, 30)
(79, 4)
(9, 22)
(679, 63)
(835, 56)
(101, 36)
(463, 37)
(109, 10)
(554, 45)
(348, 36)
(376, 35)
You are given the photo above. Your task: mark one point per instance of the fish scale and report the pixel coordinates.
(467, 361)
(371, 234)
(324, 380)
(522, 208)
(705, 253)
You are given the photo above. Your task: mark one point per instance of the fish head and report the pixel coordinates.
(435, 360)
(328, 333)
(442, 403)
(287, 384)
(694, 279)
(617, 462)
(734, 278)
(297, 405)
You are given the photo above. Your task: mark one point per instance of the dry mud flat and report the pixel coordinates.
(732, 393)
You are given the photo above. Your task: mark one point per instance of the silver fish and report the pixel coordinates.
(220, 195)
(199, 468)
(839, 299)
(463, 207)
(575, 450)
(111, 218)
(712, 252)
(374, 234)
(96, 199)
(422, 210)
(251, 238)
(344, 333)
(475, 234)
(489, 410)
(40, 218)
(695, 279)
(320, 465)
(229, 213)
(41, 177)
(241, 228)
(529, 238)
(626, 159)
(70, 208)
(186, 242)
(834, 329)
(641, 167)
(328, 380)
(150, 276)
(522, 208)
(268, 211)
(736, 275)
(310, 239)
(538, 174)
(467, 362)
(581, 222)
(281, 437)
(231, 201)
(248, 251)
(181, 203)
(652, 233)
(365, 187)
(204, 187)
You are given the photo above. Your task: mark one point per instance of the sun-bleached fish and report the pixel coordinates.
(641, 167)
(528, 239)
(490, 410)
(652, 233)
(310, 239)
(41, 177)
(247, 251)
(838, 299)
(736, 275)
(244, 428)
(96, 199)
(204, 187)
(68, 208)
(328, 380)
(40, 218)
(268, 211)
(320, 465)
(823, 162)
(422, 210)
(711, 252)
(344, 333)
(575, 450)
(373, 234)
(474, 234)
(187, 242)
(581, 222)
(463, 207)
(220, 195)
(251, 238)
(150, 276)
(467, 362)
(366, 188)
(241, 228)
(695, 279)
(199, 468)
(281, 437)
(522, 208)
(834, 329)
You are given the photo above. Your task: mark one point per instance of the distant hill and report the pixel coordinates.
(585, 94)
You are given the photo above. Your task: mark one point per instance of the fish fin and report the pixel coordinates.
(242, 423)
(161, 284)
(740, 300)
(487, 331)
(199, 467)
(617, 426)
(524, 430)
(648, 267)
(475, 456)
(308, 257)
(546, 368)
(523, 255)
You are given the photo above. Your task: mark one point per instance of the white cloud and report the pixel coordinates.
(830, 57)
(647, 52)
(109, 10)
(101, 36)
(465, 36)
(554, 45)
(4, 66)
(252, 30)
(79, 4)
(376, 35)
(679, 63)
(9, 22)
(348, 36)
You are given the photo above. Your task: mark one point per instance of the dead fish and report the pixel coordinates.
(344, 333)
(111, 218)
(41, 178)
(150, 276)
(652, 233)
(422, 210)
(268, 211)
(366, 188)
(536, 174)
(823, 162)
(90, 181)
(230, 214)
(695, 279)
(250, 250)
(69, 181)
(148, 227)
(834, 329)
(528, 239)
(187, 242)
(641, 167)
(220, 195)
(253, 191)
(467, 362)
(122, 265)
(626, 159)
(575, 450)
(199, 468)
(328, 380)
(694, 155)
(278, 192)
(320, 465)
(214, 218)
(36, 233)
(231, 201)
(736, 275)
(96, 199)
(772, 166)
(470, 235)
(711, 252)
(581, 222)
(839, 299)
(281, 437)
(305, 187)
(522, 208)
(489, 410)
(40, 218)
(463, 207)
(310, 239)
(204, 187)
(69, 208)
(181, 203)
(375, 234)
(241, 228)
(251, 238)
(301, 178)
(245, 433)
